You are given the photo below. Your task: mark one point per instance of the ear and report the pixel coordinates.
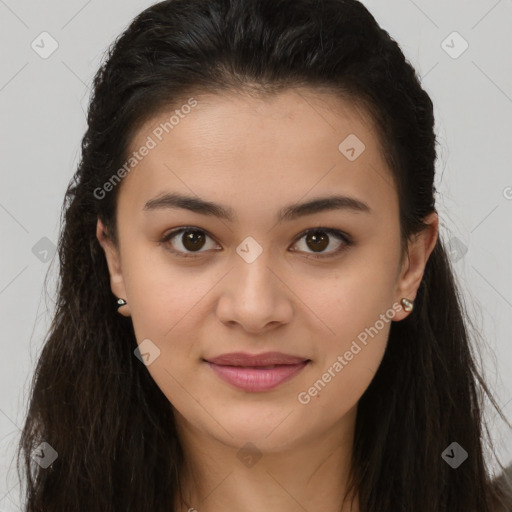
(114, 266)
(420, 246)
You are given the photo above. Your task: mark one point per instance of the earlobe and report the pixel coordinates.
(420, 248)
(114, 266)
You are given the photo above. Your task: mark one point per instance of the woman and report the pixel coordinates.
(255, 310)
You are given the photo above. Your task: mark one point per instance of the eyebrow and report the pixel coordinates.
(288, 213)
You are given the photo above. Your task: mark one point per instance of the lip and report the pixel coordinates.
(252, 373)
(265, 359)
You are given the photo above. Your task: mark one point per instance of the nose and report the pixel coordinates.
(255, 297)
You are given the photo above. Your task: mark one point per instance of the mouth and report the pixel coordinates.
(256, 360)
(256, 373)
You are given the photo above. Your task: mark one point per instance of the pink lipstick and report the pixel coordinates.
(256, 373)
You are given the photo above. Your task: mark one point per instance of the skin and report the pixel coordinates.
(256, 156)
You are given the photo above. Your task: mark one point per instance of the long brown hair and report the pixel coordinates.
(97, 406)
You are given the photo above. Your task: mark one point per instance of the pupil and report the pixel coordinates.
(318, 236)
(193, 240)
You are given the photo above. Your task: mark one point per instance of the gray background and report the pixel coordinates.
(43, 104)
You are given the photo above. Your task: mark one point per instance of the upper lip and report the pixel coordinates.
(266, 359)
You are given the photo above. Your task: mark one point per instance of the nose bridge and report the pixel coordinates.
(254, 295)
(253, 280)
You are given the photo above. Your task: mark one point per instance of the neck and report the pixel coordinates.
(311, 474)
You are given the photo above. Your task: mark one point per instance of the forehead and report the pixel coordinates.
(261, 149)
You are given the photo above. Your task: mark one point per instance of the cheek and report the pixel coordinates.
(344, 371)
(354, 310)
(351, 298)
(161, 294)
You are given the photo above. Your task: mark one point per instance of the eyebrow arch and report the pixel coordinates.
(288, 213)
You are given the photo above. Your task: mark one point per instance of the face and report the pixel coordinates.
(321, 282)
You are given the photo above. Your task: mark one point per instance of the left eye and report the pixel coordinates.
(319, 239)
(193, 240)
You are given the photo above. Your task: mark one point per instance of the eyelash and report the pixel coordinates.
(347, 241)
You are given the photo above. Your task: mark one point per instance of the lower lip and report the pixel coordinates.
(253, 379)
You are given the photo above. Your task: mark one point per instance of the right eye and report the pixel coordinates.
(192, 239)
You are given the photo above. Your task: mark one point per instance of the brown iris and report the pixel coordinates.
(319, 240)
(193, 240)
